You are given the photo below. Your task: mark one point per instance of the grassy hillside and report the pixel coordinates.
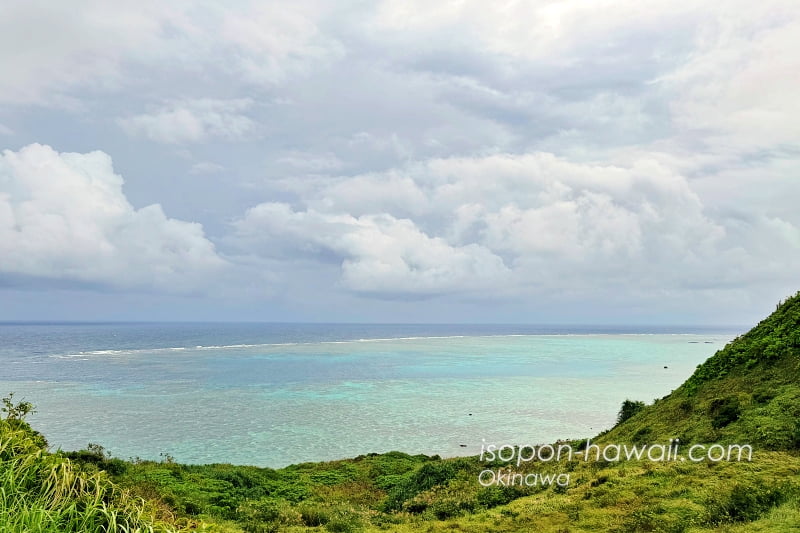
(747, 393)
(396, 492)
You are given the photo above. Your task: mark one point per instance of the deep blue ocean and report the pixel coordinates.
(276, 394)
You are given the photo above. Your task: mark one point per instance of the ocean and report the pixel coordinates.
(277, 394)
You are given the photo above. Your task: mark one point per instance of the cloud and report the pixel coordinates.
(549, 31)
(272, 41)
(206, 167)
(310, 162)
(379, 254)
(51, 49)
(519, 223)
(739, 85)
(56, 51)
(63, 216)
(193, 121)
(522, 148)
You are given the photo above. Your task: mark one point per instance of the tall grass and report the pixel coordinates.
(45, 492)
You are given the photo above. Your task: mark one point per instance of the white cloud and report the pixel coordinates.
(193, 121)
(310, 162)
(206, 167)
(715, 75)
(46, 49)
(272, 41)
(524, 29)
(51, 51)
(518, 221)
(64, 216)
(379, 254)
(739, 87)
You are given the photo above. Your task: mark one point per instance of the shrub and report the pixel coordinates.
(343, 521)
(493, 496)
(629, 408)
(724, 411)
(445, 508)
(267, 516)
(423, 478)
(748, 502)
(642, 435)
(686, 406)
(314, 515)
(16, 411)
(96, 455)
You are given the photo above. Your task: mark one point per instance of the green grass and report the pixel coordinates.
(396, 492)
(748, 392)
(44, 492)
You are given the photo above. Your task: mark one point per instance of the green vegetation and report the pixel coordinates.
(747, 393)
(45, 492)
(774, 340)
(628, 409)
(398, 492)
(16, 411)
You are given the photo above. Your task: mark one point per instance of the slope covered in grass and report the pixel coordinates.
(748, 392)
(396, 492)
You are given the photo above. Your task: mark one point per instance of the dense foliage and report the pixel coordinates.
(628, 409)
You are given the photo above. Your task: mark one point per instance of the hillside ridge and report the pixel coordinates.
(747, 392)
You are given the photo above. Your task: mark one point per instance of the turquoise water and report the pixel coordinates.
(142, 392)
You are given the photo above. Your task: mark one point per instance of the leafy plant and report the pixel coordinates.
(16, 411)
(629, 409)
(724, 411)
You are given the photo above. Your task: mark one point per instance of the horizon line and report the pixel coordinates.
(358, 323)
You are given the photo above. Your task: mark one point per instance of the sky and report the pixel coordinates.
(571, 162)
